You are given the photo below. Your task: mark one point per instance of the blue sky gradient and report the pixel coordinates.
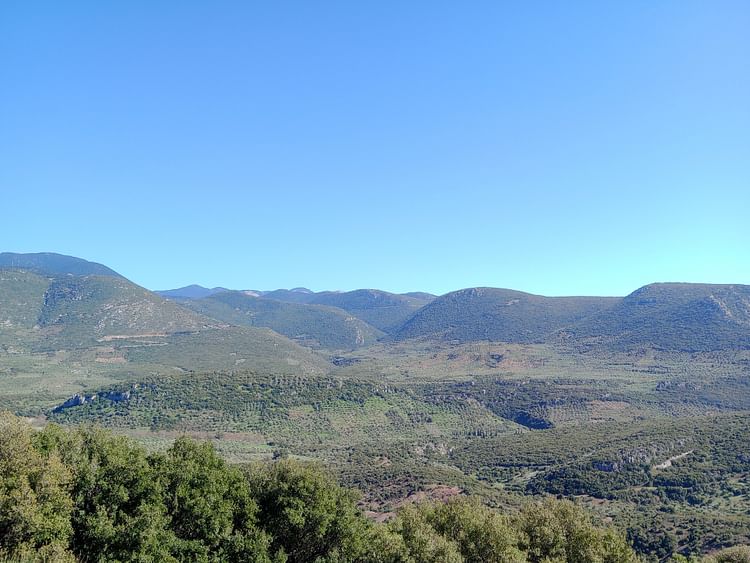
(553, 147)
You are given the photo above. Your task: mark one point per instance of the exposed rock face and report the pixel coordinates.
(116, 396)
(74, 401)
(80, 399)
(669, 384)
(608, 466)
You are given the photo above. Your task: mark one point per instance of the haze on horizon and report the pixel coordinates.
(578, 149)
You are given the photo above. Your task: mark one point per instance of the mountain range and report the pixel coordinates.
(383, 310)
(55, 302)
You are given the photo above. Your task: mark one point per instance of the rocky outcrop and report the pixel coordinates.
(608, 466)
(79, 399)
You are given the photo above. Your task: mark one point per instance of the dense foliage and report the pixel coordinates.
(87, 495)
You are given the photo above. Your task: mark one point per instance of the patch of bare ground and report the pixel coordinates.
(111, 337)
(668, 462)
(437, 493)
(109, 355)
(247, 437)
(441, 493)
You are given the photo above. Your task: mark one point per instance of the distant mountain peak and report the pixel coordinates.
(193, 291)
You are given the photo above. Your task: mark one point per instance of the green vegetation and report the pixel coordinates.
(69, 334)
(87, 495)
(740, 554)
(381, 309)
(678, 317)
(419, 435)
(501, 438)
(82, 311)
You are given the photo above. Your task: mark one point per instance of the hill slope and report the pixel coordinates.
(21, 298)
(502, 315)
(110, 321)
(313, 325)
(383, 310)
(673, 316)
(79, 311)
(50, 263)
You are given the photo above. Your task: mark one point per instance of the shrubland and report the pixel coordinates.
(88, 495)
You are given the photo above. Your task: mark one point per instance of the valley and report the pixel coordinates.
(636, 407)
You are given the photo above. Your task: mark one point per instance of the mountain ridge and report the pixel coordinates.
(192, 291)
(52, 263)
(319, 326)
(485, 313)
(111, 321)
(681, 316)
(673, 315)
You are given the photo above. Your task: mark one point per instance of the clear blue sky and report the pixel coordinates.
(553, 147)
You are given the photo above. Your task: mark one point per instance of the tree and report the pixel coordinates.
(35, 507)
(482, 535)
(738, 554)
(118, 512)
(309, 516)
(422, 542)
(558, 531)
(209, 505)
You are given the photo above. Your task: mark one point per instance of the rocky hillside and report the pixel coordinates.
(672, 316)
(110, 320)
